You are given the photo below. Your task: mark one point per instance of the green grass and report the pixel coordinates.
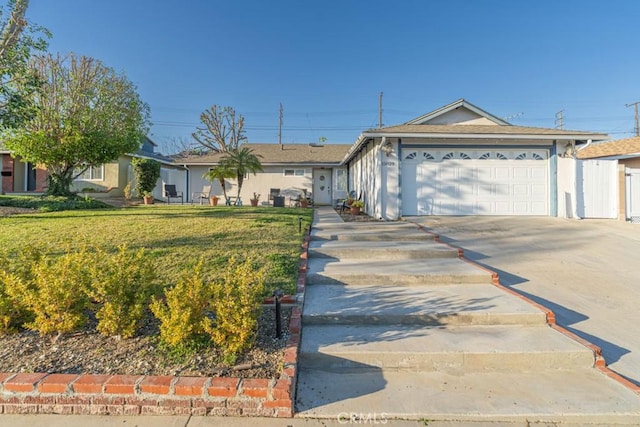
(175, 237)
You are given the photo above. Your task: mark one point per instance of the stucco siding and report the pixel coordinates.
(261, 183)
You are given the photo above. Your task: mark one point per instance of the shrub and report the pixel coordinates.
(183, 314)
(146, 172)
(237, 300)
(122, 284)
(54, 290)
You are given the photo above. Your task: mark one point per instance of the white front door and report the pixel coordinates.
(322, 186)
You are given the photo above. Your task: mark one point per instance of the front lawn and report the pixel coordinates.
(175, 237)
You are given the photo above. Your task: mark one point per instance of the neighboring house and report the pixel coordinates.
(291, 168)
(460, 160)
(626, 152)
(108, 180)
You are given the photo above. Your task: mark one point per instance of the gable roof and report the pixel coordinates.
(276, 154)
(482, 131)
(628, 147)
(456, 105)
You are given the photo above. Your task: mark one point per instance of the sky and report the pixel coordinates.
(328, 61)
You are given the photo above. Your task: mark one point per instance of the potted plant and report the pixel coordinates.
(254, 200)
(213, 200)
(147, 198)
(304, 202)
(356, 207)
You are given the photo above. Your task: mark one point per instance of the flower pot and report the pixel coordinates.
(304, 203)
(213, 200)
(355, 210)
(254, 202)
(148, 200)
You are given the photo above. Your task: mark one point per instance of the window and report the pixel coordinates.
(294, 172)
(341, 179)
(411, 156)
(93, 173)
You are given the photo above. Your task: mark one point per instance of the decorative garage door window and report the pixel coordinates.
(529, 156)
(493, 155)
(435, 155)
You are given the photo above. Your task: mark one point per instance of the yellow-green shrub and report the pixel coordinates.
(237, 301)
(183, 314)
(12, 313)
(54, 290)
(122, 284)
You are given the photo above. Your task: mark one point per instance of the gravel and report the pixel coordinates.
(89, 352)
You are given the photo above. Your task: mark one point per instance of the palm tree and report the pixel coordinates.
(220, 173)
(242, 160)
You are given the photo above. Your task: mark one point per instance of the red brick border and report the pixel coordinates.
(599, 361)
(87, 394)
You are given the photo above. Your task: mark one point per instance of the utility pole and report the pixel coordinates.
(635, 104)
(380, 111)
(560, 119)
(280, 127)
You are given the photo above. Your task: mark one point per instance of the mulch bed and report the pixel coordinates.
(362, 217)
(91, 353)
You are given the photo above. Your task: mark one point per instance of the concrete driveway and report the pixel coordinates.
(586, 271)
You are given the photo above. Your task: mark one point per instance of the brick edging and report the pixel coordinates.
(92, 394)
(599, 360)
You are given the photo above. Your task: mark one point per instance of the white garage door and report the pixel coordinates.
(475, 182)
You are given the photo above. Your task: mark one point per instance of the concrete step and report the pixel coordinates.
(459, 350)
(469, 304)
(389, 271)
(392, 249)
(584, 396)
(368, 233)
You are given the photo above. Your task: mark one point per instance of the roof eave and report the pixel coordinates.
(595, 137)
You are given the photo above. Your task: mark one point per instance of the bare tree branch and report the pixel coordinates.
(222, 131)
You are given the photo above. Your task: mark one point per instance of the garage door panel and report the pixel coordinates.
(520, 190)
(482, 183)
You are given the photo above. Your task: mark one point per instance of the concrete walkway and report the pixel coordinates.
(418, 334)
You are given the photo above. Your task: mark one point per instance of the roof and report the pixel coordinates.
(312, 154)
(623, 147)
(456, 131)
(460, 103)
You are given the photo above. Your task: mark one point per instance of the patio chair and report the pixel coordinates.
(202, 195)
(274, 192)
(170, 192)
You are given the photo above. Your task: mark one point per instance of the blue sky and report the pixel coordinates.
(327, 61)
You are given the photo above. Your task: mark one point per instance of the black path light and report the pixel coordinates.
(299, 224)
(277, 294)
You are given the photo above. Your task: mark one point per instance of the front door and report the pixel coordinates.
(322, 186)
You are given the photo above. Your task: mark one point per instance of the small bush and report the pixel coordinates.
(122, 284)
(237, 300)
(54, 290)
(51, 203)
(183, 314)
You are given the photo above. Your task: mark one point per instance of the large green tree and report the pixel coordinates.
(86, 115)
(222, 129)
(243, 161)
(18, 38)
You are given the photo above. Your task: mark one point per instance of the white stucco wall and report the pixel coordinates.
(261, 183)
(375, 174)
(566, 187)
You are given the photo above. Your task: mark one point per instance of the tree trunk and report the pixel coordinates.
(60, 183)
